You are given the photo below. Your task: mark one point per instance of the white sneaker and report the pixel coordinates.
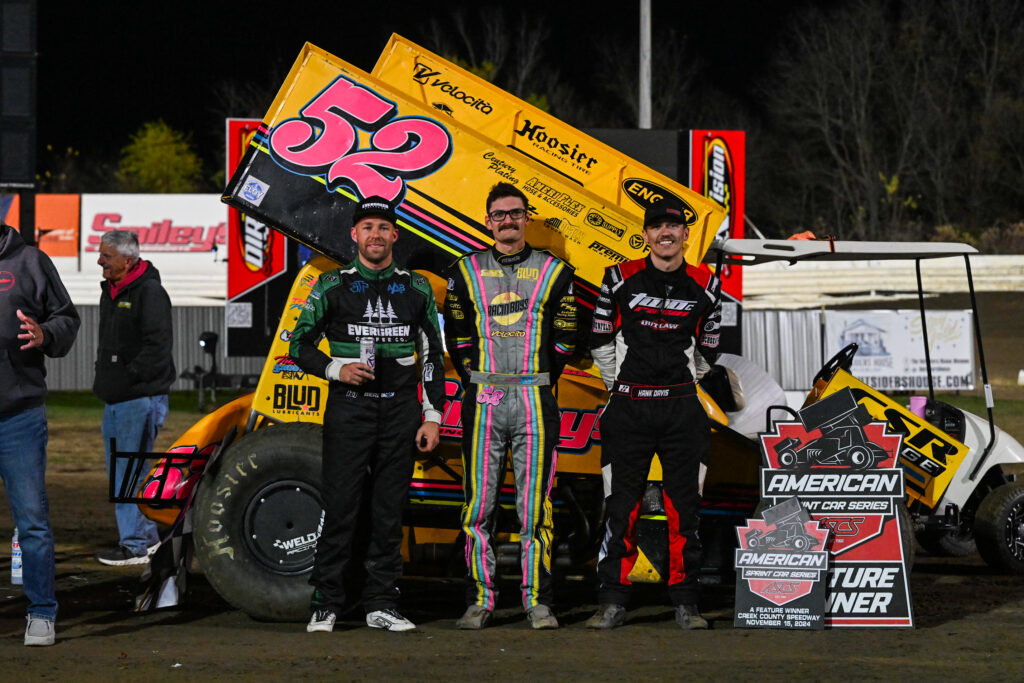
(389, 619)
(39, 631)
(322, 620)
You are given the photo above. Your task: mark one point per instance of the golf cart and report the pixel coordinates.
(959, 469)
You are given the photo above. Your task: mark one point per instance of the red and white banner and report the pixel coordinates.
(188, 231)
(256, 254)
(718, 161)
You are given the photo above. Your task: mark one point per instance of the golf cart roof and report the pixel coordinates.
(751, 252)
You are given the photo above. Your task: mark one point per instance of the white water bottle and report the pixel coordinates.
(15, 559)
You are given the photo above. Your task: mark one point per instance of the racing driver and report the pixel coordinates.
(510, 323)
(372, 415)
(651, 316)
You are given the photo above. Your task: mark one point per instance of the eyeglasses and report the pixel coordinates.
(514, 214)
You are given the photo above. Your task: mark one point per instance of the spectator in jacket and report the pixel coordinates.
(134, 371)
(37, 319)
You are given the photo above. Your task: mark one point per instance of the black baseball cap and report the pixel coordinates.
(374, 206)
(667, 207)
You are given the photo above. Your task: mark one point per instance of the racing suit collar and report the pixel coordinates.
(374, 274)
(511, 259)
(664, 274)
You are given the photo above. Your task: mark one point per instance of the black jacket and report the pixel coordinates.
(134, 354)
(29, 282)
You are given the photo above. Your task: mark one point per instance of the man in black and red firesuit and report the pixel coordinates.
(372, 416)
(651, 317)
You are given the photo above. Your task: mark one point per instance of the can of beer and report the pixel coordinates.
(366, 352)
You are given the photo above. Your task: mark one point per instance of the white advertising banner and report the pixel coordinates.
(891, 355)
(179, 233)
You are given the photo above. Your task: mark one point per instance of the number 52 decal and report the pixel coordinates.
(323, 140)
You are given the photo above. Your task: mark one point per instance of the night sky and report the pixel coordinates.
(106, 68)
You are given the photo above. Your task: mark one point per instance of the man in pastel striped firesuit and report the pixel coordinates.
(510, 323)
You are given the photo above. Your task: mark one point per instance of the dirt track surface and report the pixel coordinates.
(968, 627)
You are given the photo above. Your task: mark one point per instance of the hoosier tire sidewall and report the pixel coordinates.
(275, 453)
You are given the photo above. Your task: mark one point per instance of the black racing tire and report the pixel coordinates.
(957, 542)
(801, 543)
(257, 518)
(906, 522)
(999, 528)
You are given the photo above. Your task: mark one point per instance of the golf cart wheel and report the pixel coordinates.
(957, 542)
(257, 520)
(906, 522)
(999, 528)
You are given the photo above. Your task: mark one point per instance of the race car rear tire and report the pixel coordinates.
(957, 542)
(256, 521)
(999, 528)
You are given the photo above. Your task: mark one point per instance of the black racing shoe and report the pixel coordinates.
(121, 557)
(607, 616)
(688, 617)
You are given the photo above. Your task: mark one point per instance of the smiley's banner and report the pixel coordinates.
(530, 134)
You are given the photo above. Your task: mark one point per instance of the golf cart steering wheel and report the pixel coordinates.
(842, 360)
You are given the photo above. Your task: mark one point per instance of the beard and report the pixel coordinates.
(375, 256)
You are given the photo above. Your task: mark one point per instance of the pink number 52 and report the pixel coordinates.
(323, 140)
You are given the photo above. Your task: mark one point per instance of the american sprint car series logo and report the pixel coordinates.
(841, 463)
(782, 560)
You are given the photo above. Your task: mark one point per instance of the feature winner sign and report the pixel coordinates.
(842, 466)
(781, 561)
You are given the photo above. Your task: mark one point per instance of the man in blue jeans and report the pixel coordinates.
(37, 318)
(134, 371)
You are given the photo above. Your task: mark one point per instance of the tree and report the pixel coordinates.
(673, 78)
(159, 159)
(509, 54)
(888, 117)
(68, 170)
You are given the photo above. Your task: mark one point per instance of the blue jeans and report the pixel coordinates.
(133, 424)
(23, 438)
